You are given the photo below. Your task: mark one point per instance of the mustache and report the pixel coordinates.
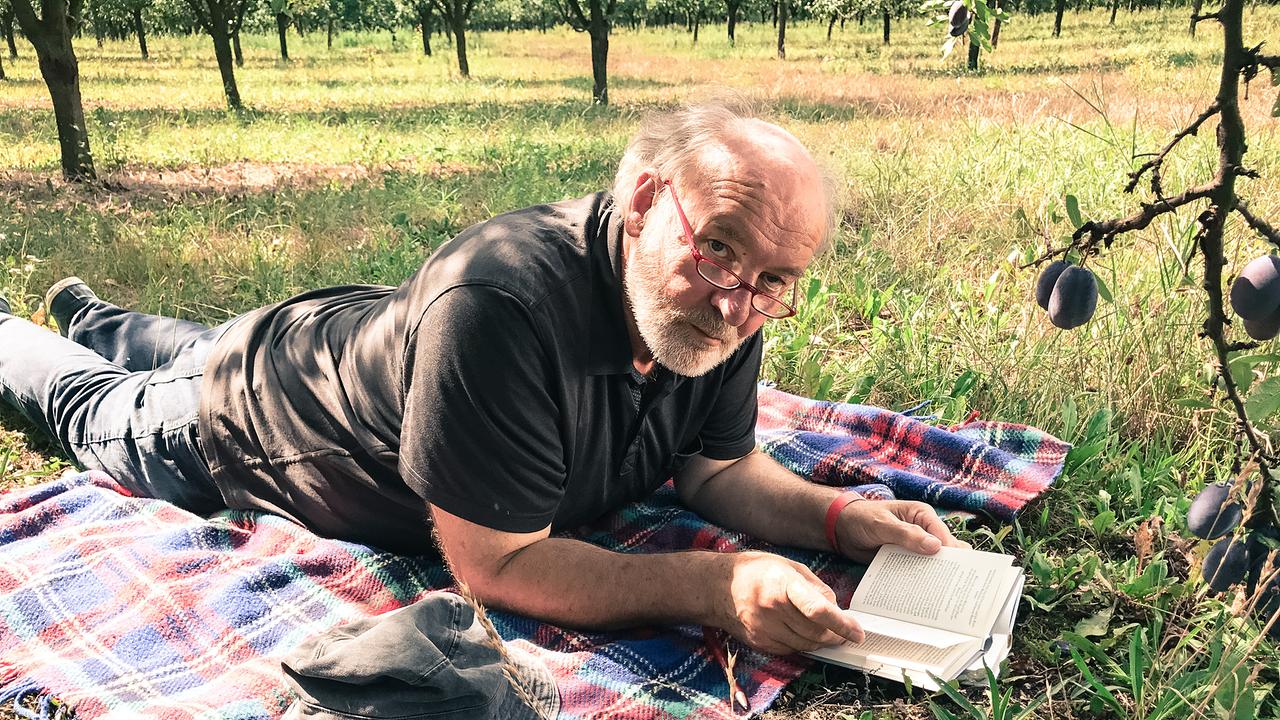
(710, 322)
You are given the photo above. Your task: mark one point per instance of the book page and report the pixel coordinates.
(958, 590)
(908, 631)
(880, 649)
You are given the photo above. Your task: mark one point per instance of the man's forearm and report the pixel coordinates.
(763, 499)
(573, 583)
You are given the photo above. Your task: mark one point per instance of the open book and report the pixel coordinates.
(942, 614)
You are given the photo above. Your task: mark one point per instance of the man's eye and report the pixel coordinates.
(773, 282)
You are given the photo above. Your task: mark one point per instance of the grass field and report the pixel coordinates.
(353, 163)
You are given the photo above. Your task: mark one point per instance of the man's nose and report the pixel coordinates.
(734, 305)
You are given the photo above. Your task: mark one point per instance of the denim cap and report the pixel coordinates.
(431, 660)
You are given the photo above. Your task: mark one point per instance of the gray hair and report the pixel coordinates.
(671, 142)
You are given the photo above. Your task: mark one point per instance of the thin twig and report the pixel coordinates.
(1257, 223)
(1154, 164)
(1107, 230)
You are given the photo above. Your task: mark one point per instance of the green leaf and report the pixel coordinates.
(1264, 401)
(1095, 624)
(1069, 417)
(1241, 368)
(1073, 211)
(1151, 580)
(1194, 403)
(1103, 291)
(958, 697)
(1099, 425)
(1102, 521)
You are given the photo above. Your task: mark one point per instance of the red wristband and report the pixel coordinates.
(842, 501)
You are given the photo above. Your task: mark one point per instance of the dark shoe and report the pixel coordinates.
(65, 298)
(5, 308)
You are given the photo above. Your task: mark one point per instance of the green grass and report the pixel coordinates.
(950, 180)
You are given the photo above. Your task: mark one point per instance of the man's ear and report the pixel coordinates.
(642, 200)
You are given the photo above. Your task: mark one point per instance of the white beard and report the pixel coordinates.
(663, 325)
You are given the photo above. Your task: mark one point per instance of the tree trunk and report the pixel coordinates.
(733, 22)
(282, 24)
(782, 29)
(1196, 6)
(61, 74)
(1115, 6)
(141, 31)
(974, 49)
(222, 49)
(51, 37)
(831, 26)
(235, 45)
(460, 43)
(697, 23)
(995, 31)
(1057, 17)
(9, 39)
(329, 42)
(775, 12)
(2, 77)
(886, 27)
(600, 56)
(424, 19)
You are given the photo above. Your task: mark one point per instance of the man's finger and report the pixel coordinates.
(823, 613)
(927, 519)
(913, 537)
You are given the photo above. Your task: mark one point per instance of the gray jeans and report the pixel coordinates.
(120, 393)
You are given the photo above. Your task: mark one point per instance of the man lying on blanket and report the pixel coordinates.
(545, 367)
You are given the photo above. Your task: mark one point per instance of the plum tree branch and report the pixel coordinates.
(1257, 223)
(1106, 230)
(1155, 163)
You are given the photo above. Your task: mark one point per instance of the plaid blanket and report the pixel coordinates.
(130, 607)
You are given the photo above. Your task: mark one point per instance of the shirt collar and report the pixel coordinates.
(610, 346)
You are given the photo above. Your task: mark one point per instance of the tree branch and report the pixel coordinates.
(1206, 16)
(1154, 164)
(28, 23)
(1257, 223)
(1106, 231)
(1270, 61)
(572, 12)
(238, 23)
(197, 8)
(73, 15)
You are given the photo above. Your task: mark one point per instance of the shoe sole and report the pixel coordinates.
(58, 287)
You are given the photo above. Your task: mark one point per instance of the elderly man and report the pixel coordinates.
(541, 369)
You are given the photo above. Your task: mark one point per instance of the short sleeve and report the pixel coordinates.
(730, 430)
(481, 432)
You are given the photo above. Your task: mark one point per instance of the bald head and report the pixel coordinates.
(720, 147)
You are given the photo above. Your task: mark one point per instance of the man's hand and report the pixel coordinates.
(865, 525)
(778, 606)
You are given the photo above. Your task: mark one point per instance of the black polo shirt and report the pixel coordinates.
(496, 382)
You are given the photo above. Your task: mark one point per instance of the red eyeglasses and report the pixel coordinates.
(726, 279)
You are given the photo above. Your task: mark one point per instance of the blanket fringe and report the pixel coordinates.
(17, 694)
